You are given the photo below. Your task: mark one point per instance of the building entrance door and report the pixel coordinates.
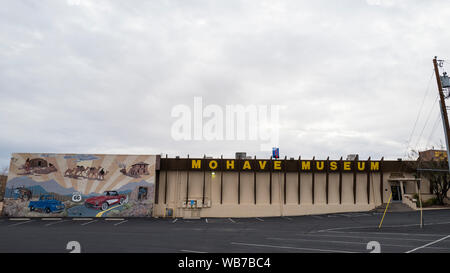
(396, 193)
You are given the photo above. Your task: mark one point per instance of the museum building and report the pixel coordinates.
(251, 187)
(153, 185)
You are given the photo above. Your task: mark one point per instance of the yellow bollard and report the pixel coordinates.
(421, 211)
(385, 210)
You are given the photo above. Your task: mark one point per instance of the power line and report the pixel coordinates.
(433, 129)
(426, 123)
(420, 111)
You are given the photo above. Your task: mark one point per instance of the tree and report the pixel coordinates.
(4, 171)
(437, 172)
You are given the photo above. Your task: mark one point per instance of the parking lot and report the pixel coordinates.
(333, 233)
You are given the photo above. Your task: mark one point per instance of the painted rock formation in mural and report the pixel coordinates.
(136, 170)
(37, 166)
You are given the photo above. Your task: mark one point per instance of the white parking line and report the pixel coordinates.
(406, 225)
(286, 218)
(259, 219)
(21, 223)
(344, 215)
(192, 251)
(342, 242)
(354, 215)
(358, 237)
(176, 219)
(54, 223)
(381, 233)
(232, 220)
(87, 223)
(116, 224)
(427, 245)
(291, 247)
(365, 214)
(359, 214)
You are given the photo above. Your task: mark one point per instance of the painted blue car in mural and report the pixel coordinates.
(46, 203)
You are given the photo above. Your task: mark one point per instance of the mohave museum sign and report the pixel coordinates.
(284, 165)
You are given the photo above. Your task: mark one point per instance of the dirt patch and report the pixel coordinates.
(134, 208)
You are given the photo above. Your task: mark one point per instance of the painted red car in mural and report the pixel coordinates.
(106, 200)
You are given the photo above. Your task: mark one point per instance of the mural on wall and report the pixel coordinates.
(76, 185)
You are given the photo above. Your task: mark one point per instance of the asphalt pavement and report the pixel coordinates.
(332, 233)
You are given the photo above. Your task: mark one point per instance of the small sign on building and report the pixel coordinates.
(276, 152)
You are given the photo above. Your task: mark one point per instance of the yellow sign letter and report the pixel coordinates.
(230, 164)
(361, 166)
(347, 166)
(306, 165)
(246, 165)
(212, 164)
(196, 164)
(333, 165)
(262, 164)
(374, 166)
(277, 165)
(320, 165)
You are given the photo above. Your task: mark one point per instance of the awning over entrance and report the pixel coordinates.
(398, 187)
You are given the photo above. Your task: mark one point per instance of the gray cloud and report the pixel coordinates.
(103, 76)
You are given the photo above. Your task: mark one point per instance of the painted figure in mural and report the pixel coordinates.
(27, 165)
(92, 173)
(23, 193)
(101, 174)
(142, 194)
(68, 172)
(79, 171)
(97, 173)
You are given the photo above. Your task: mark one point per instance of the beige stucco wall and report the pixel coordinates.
(176, 194)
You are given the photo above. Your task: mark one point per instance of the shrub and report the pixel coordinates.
(430, 202)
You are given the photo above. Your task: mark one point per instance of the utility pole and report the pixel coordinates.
(443, 109)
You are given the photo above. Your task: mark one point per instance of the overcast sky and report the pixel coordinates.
(84, 76)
